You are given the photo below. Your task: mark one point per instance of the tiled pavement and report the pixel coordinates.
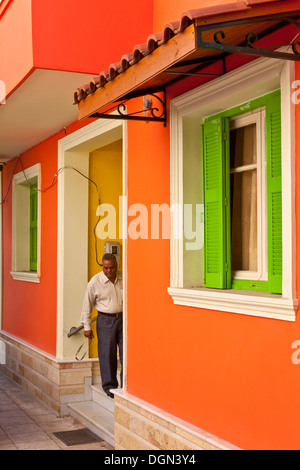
(26, 424)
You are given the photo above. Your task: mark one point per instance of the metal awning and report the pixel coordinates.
(268, 30)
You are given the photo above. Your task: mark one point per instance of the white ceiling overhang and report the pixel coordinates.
(39, 108)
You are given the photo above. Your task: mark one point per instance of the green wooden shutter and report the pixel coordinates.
(217, 266)
(33, 227)
(274, 196)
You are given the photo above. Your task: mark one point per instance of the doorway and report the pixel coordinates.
(105, 169)
(101, 144)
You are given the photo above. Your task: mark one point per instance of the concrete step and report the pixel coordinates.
(100, 397)
(95, 417)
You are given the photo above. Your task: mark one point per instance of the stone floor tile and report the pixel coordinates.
(13, 429)
(34, 409)
(43, 445)
(30, 437)
(46, 417)
(15, 417)
(4, 439)
(27, 424)
(8, 446)
(8, 407)
(59, 426)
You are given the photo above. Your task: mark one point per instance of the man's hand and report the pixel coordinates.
(89, 334)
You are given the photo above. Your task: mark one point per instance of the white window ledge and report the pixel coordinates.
(25, 276)
(258, 304)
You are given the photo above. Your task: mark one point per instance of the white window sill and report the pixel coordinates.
(259, 304)
(27, 276)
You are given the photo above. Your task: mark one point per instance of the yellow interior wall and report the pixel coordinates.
(105, 168)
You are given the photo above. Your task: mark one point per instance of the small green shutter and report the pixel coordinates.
(274, 198)
(217, 266)
(33, 227)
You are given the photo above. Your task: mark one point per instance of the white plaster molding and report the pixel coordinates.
(251, 81)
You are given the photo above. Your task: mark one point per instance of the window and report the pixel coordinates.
(246, 263)
(248, 197)
(26, 225)
(242, 197)
(33, 227)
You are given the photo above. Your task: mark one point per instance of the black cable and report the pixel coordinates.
(95, 238)
(99, 202)
(51, 185)
(9, 186)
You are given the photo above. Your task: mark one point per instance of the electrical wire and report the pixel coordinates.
(9, 186)
(43, 190)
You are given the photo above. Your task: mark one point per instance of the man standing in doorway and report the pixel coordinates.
(105, 293)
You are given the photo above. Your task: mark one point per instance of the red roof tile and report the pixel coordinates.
(170, 30)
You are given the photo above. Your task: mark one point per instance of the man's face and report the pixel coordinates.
(110, 270)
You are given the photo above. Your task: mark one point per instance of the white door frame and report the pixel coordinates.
(72, 230)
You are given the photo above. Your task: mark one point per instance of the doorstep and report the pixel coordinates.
(96, 414)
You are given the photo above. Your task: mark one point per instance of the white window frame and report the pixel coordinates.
(20, 213)
(246, 83)
(257, 117)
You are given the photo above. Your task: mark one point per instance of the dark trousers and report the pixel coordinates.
(110, 336)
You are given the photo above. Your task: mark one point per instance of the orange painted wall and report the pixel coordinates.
(87, 36)
(229, 374)
(72, 36)
(171, 10)
(29, 309)
(68, 35)
(16, 59)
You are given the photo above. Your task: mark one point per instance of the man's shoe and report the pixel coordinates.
(110, 395)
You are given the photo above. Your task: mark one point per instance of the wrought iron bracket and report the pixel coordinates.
(247, 43)
(154, 110)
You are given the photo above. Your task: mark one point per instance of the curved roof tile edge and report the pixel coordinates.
(156, 40)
